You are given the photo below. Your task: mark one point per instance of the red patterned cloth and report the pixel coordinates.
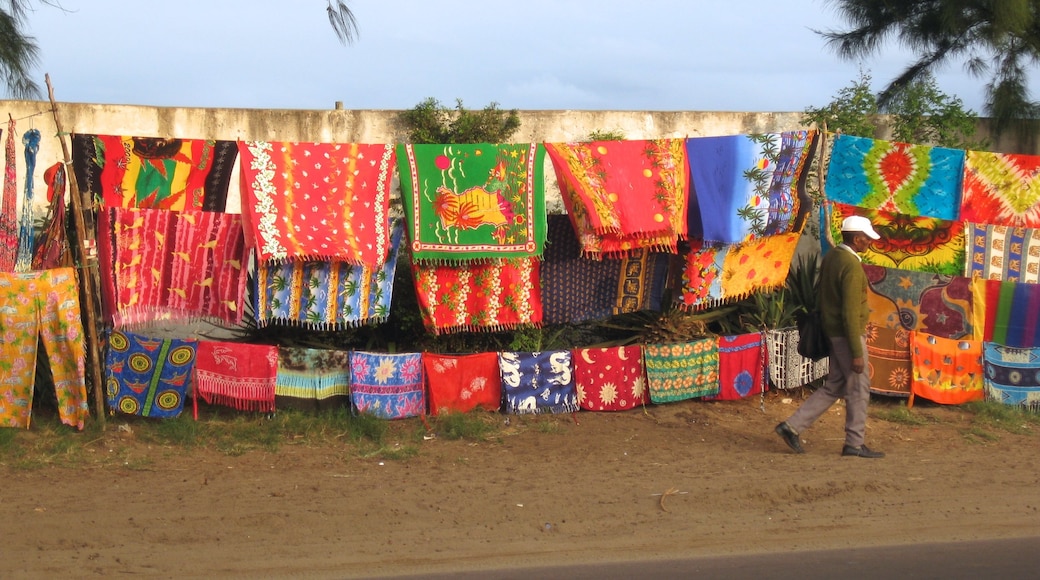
(459, 384)
(318, 201)
(494, 295)
(171, 266)
(9, 207)
(742, 361)
(237, 375)
(1001, 189)
(624, 194)
(610, 379)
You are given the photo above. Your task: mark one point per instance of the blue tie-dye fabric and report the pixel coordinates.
(538, 382)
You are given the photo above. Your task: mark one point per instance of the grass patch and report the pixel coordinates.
(547, 424)
(365, 426)
(976, 434)
(902, 415)
(474, 426)
(1010, 418)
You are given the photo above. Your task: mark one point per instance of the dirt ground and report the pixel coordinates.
(543, 491)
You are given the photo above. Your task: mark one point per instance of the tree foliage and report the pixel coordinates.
(342, 20)
(432, 122)
(995, 38)
(18, 52)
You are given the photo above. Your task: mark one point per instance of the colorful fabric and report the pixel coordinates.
(317, 201)
(916, 180)
(743, 184)
(388, 386)
(946, 371)
(148, 377)
(920, 243)
(52, 251)
(26, 226)
(326, 295)
(312, 379)
(154, 173)
(680, 371)
(237, 375)
(742, 360)
(1001, 189)
(701, 281)
(888, 355)
(787, 368)
(610, 379)
(1003, 253)
(538, 382)
(479, 296)
(460, 384)
(1007, 313)
(9, 207)
(760, 265)
(184, 266)
(41, 307)
(1012, 375)
(624, 195)
(473, 202)
(932, 303)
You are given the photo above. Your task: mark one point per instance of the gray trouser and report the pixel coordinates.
(841, 383)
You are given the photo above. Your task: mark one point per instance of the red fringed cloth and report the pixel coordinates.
(1001, 189)
(946, 371)
(237, 375)
(624, 195)
(459, 384)
(9, 209)
(317, 201)
(489, 296)
(171, 266)
(156, 173)
(52, 249)
(742, 363)
(610, 379)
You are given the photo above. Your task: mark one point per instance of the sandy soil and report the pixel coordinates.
(546, 490)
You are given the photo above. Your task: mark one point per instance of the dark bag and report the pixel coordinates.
(812, 341)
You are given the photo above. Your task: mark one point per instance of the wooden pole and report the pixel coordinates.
(87, 281)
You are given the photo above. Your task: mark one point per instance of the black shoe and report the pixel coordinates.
(790, 437)
(861, 451)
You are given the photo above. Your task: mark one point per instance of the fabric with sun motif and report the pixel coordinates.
(1002, 189)
(946, 371)
(1003, 253)
(933, 303)
(1012, 375)
(148, 377)
(680, 371)
(897, 177)
(742, 360)
(237, 375)
(460, 384)
(538, 382)
(387, 386)
(888, 356)
(610, 379)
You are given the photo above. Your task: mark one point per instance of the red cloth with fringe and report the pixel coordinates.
(237, 375)
(459, 384)
(610, 379)
(491, 296)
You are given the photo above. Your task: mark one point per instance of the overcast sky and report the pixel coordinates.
(688, 55)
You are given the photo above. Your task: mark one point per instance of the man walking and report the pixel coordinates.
(843, 308)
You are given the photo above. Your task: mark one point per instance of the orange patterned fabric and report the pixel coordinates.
(947, 371)
(758, 265)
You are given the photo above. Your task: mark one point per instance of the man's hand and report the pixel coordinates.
(857, 365)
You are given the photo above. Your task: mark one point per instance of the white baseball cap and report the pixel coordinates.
(858, 223)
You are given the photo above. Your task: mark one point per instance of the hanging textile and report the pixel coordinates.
(680, 371)
(759, 265)
(312, 379)
(479, 296)
(180, 266)
(326, 295)
(1001, 189)
(52, 250)
(9, 209)
(237, 375)
(1007, 313)
(147, 376)
(923, 244)
(1012, 375)
(743, 183)
(610, 379)
(460, 384)
(946, 371)
(742, 360)
(898, 177)
(388, 386)
(1003, 253)
(473, 201)
(41, 307)
(933, 303)
(317, 201)
(155, 173)
(576, 289)
(787, 368)
(701, 281)
(26, 227)
(888, 354)
(624, 195)
(538, 382)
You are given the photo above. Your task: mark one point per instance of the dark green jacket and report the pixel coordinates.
(843, 297)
